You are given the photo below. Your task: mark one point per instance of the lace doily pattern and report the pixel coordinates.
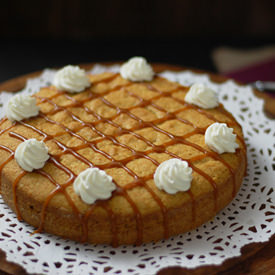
(249, 218)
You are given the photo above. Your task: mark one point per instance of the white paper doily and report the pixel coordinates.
(249, 218)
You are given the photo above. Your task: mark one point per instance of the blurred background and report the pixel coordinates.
(37, 34)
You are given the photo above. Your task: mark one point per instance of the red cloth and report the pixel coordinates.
(264, 71)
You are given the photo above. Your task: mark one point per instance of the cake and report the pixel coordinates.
(126, 129)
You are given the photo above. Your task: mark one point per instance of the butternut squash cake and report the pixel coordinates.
(117, 158)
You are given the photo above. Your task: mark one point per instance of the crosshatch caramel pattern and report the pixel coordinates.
(124, 125)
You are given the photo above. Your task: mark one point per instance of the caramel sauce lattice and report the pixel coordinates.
(113, 163)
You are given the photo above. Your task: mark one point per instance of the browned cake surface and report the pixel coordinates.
(126, 129)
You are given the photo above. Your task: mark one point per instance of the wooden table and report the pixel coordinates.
(256, 258)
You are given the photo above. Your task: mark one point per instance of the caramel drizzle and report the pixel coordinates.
(11, 156)
(137, 181)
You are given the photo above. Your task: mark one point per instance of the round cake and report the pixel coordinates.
(126, 129)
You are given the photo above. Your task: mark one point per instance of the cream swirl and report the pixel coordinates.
(137, 69)
(71, 79)
(173, 175)
(20, 107)
(93, 184)
(220, 138)
(31, 154)
(202, 96)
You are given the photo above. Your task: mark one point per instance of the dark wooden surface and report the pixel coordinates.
(256, 258)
